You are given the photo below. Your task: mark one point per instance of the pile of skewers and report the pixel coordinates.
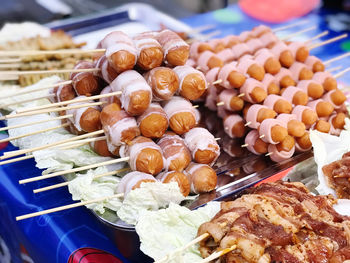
(271, 91)
(135, 112)
(135, 80)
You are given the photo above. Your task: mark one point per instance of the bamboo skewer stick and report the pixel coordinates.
(62, 103)
(341, 73)
(10, 65)
(183, 248)
(78, 169)
(34, 133)
(38, 89)
(334, 69)
(65, 207)
(218, 254)
(10, 60)
(14, 75)
(336, 58)
(27, 100)
(21, 53)
(23, 114)
(328, 41)
(55, 186)
(298, 33)
(73, 145)
(290, 26)
(322, 34)
(36, 122)
(24, 151)
(200, 29)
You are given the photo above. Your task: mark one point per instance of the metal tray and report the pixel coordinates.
(237, 169)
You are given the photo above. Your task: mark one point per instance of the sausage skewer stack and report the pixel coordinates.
(273, 87)
(147, 71)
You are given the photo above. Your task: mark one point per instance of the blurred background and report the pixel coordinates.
(44, 11)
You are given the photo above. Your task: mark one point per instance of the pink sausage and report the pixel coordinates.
(284, 117)
(194, 50)
(231, 121)
(260, 29)
(106, 72)
(333, 130)
(226, 55)
(295, 69)
(224, 73)
(243, 36)
(288, 93)
(320, 77)
(265, 129)
(268, 39)
(271, 100)
(327, 97)
(255, 44)
(262, 56)
(279, 48)
(250, 139)
(212, 93)
(203, 60)
(252, 115)
(294, 47)
(268, 79)
(244, 64)
(283, 72)
(240, 49)
(310, 61)
(277, 156)
(298, 111)
(225, 96)
(248, 87)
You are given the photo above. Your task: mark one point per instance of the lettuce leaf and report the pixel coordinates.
(161, 232)
(149, 197)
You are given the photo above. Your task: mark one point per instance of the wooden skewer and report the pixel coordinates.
(36, 122)
(10, 60)
(221, 103)
(298, 33)
(248, 123)
(244, 145)
(24, 151)
(74, 145)
(65, 207)
(341, 73)
(34, 133)
(183, 248)
(324, 33)
(27, 100)
(13, 75)
(200, 29)
(336, 58)
(327, 41)
(334, 69)
(62, 103)
(218, 254)
(21, 53)
(55, 186)
(216, 82)
(74, 170)
(268, 154)
(10, 65)
(38, 89)
(290, 26)
(23, 114)
(262, 136)
(204, 37)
